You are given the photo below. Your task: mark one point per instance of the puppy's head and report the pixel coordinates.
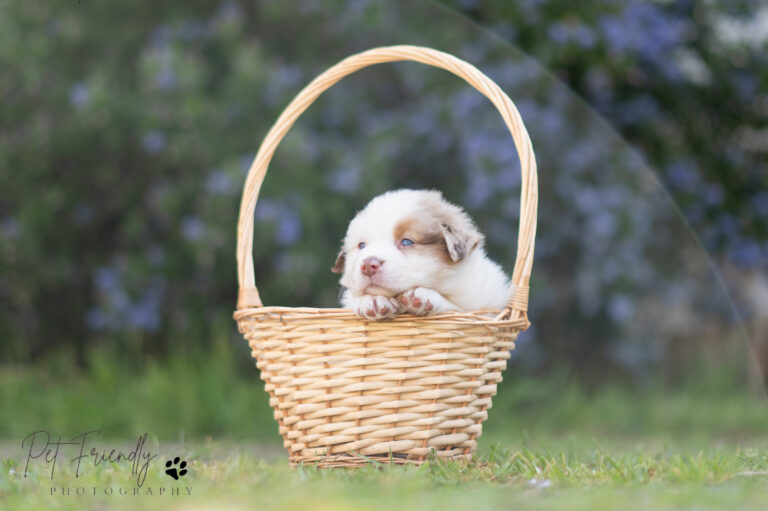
(404, 239)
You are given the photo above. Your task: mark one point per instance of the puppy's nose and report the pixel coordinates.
(370, 266)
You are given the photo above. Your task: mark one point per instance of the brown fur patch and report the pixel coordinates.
(442, 228)
(341, 260)
(427, 234)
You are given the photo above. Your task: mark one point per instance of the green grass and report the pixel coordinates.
(549, 443)
(576, 473)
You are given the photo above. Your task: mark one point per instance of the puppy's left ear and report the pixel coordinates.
(341, 259)
(458, 230)
(460, 237)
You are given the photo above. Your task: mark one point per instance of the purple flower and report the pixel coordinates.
(746, 85)
(229, 11)
(166, 78)
(96, 319)
(479, 190)
(116, 311)
(192, 228)
(143, 317)
(759, 201)
(288, 228)
(267, 209)
(646, 30)
(153, 142)
(144, 314)
(620, 307)
(344, 180)
(220, 182)
(602, 224)
(683, 174)
(509, 177)
(79, 95)
(748, 252)
(9, 228)
(713, 194)
(289, 76)
(107, 279)
(566, 32)
(729, 225)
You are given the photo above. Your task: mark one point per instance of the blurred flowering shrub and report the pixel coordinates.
(127, 131)
(684, 82)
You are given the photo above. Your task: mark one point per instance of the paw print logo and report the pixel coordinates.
(176, 469)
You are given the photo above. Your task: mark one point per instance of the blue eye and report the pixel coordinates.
(361, 245)
(405, 242)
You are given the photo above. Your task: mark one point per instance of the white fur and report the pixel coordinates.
(411, 281)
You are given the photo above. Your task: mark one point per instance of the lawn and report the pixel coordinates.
(573, 473)
(548, 444)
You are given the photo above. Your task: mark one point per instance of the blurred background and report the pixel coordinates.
(127, 129)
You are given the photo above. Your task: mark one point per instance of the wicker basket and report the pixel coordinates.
(346, 390)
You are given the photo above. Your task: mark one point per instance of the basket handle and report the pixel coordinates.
(518, 303)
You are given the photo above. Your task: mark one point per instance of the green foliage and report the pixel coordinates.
(126, 130)
(218, 394)
(193, 395)
(682, 81)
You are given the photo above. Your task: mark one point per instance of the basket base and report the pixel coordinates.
(352, 460)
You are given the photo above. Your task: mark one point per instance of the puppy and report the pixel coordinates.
(410, 251)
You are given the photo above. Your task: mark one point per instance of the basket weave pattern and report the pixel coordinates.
(345, 389)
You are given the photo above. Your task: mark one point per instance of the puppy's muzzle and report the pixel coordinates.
(371, 266)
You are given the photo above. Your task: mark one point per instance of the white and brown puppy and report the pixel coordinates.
(412, 251)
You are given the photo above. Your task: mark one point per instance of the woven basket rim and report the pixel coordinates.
(487, 317)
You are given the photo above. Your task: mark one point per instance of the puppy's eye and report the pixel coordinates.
(406, 242)
(361, 245)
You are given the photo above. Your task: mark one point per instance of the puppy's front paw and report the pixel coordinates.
(375, 307)
(422, 301)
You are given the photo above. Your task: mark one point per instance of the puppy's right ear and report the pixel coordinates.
(341, 259)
